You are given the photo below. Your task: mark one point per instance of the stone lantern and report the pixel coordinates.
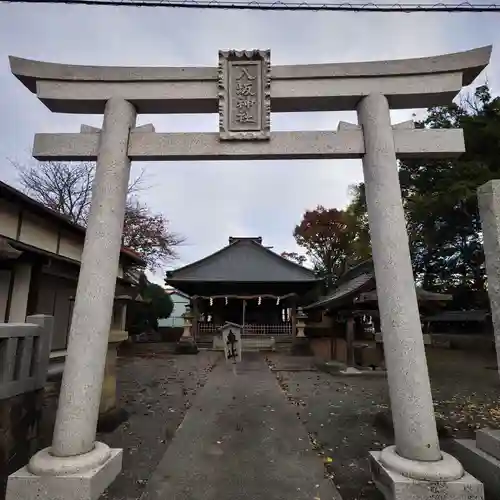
(117, 334)
(301, 322)
(110, 415)
(300, 346)
(188, 322)
(187, 344)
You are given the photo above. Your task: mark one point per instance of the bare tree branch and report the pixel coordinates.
(138, 184)
(62, 186)
(149, 235)
(66, 187)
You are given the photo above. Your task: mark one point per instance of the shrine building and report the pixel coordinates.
(246, 283)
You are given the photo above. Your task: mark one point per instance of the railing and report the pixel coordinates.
(250, 329)
(24, 355)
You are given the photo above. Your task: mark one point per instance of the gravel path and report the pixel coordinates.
(348, 416)
(344, 416)
(241, 440)
(156, 389)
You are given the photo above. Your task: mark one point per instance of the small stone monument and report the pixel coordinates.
(231, 339)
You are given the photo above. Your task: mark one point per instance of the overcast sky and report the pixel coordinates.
(209, 201)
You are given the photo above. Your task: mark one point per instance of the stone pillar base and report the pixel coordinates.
(395, 486)
(186, 345)
(481, 457)
(301, 347)
(87, 485)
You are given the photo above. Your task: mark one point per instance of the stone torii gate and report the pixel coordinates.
(241, 89)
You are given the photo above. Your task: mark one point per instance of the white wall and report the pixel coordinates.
(175, 319)
(9, 219)
(71, 246)
(37, 232)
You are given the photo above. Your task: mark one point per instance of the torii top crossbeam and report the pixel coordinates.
(407, 83)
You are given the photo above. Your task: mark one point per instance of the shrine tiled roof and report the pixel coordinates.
(343, 291)
(422, 295)
(243, 260)
(358, 284)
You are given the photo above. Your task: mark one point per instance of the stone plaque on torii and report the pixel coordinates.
(243, 92)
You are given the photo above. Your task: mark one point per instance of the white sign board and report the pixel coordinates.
(231, 338)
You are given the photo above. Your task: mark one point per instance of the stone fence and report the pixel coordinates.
(24, 355)
(24, 358)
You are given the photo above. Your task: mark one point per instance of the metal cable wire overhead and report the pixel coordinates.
(283, 5)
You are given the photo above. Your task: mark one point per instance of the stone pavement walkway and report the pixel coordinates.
(241, 440)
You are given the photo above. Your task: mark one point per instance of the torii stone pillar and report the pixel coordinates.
(76, 466)
(489, 207)
(416, 457)
(481, 455)
(411, 400)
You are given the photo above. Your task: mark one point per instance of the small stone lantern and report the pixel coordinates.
(300, 346)
(109, 414)
(188, 322)
(108, 410)
(187, 344)
(301, 322)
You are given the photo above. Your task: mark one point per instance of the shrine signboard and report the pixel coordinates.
(244, 94)
(231, 339)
